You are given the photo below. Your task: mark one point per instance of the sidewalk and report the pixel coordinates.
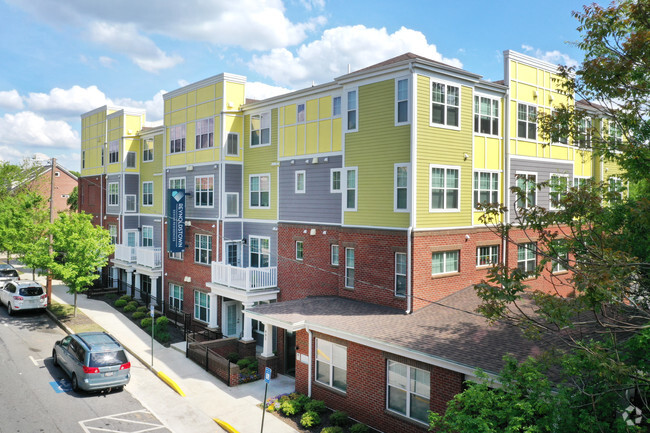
(206, 396)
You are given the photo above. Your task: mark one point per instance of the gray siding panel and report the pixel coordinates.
(202, 170)
(233, 183)
(131, 222)
(232, 231)
(317, 204)
(261, 230)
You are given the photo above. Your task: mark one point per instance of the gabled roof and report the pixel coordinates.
(39, 170)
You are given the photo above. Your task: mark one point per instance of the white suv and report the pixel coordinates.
(23, 295)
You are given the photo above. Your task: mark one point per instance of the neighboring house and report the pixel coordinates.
(39, 180)
(335, 229)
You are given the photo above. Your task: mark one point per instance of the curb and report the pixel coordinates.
(224, 425)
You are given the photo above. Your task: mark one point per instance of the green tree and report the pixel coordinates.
(73, 200)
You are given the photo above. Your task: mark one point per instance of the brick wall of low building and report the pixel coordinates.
(91, 197)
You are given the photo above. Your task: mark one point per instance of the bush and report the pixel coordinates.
(335, 429)
(252, 363)
(163, 337)
(120, 303)
(111, 296)
(138, 315)
(340, 418)
(161, 325)
(359, 428)
(317, 406)
(309, 419)
(243, 363)
(233, 357)
(291, 407)
(146, 323)
(129, 308)
(142, 309)
(126, 298)
(300, 398)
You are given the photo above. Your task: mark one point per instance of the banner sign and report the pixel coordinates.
(176, 220)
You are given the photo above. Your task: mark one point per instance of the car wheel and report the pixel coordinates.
(10, 311)
(75, 383)
(55, 360)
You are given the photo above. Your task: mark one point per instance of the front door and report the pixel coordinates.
(290, 353)
(231, 319)
(131, 238)
(232, 254)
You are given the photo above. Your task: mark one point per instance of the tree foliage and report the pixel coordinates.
(73, 200)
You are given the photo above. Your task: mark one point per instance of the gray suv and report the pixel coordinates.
(8, 273)
(93, 360)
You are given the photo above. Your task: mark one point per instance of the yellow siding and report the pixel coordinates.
(133, 124)
(312, 138)
(494, 150)
(290, 114)
(583, 163)
(527, 74)
(205, 94)
(325, 107)
(325, 136)
(312, 110)
(560, 152)
(337, 141)
(205, 155)
(258, 161)
(190, 113)
(479, 152)
(205, 110)
(300, 139)
(179, 102)
(191, 98)
(526, 148)
(526, 93)
(177, 118)
(176, 159)
(234, 94)
(289, 141)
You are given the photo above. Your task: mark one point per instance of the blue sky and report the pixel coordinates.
(61, 58)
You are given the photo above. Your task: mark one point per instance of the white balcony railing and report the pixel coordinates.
(244, 278)
(144, 256)
(125, 253)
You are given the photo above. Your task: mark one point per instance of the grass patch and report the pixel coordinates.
(78, 323)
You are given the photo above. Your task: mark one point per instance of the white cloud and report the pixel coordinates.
(259, 91)
(70, 102)
(107, 62)
(555, 56)
(313, 4)
(11, 100)
(155, 107)
(27, 130)
(329, 57)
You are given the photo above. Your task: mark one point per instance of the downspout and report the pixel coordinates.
(506, 159)
(411, 180)
(309, 360)
(163, 216)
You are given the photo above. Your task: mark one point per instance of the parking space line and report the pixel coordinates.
(123, 418)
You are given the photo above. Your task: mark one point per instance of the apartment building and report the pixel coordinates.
(336, 229)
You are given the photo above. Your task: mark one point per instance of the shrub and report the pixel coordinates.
(335, 429)
(146, 323)
(142, 309)
(300, 398)
(161, 325)
(317, 406)
(138, 315)
(340, 418)
(233, 357)
(359, 428)
(129, 308)
(120, 303)
(243, 363)
(163, 337)
(111, 296)
(291, 407)
(309, 419)
(126, 298)
(252, 363)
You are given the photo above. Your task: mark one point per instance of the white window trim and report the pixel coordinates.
(302, 250)
(236, 214)
(433, 81)
(550, 189)
(135, 160)
(537, 111)
(144, 151)
(304, 182)
(347, 110)
(117, 160)
(478, 257)
(444, 262)
(262, 114)
(405, 274)
(340, 172)
(582, 178)
(196, 192)
(196, 123)
(338, 254)
(116, 195)
(474, 113)
(112, 230)
(527, 173)
(345, 276)
(236, 134)
(152, 194)
(145, 228)
(196, 247)
(207, 307)
(331, 365)
(408, 390)
(408, 100)
(250, 248)
(408, 187)
(169, 181)
(344, 187)
(183, 127)
(304, 112)
(126, 201)
(336, 116)
(249, 190)
(498, 173)
(528, 249)
(171, 297)
(446, 210)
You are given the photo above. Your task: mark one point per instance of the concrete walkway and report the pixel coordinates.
(206, 396)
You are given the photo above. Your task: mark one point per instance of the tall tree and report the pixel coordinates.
(73, 200)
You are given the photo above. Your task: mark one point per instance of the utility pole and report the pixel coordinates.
(48, 288)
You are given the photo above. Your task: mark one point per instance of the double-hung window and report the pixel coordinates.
(147, 236)
(527, 184)
(335, 180)
(351, 189)
(349, 268)
(232, 204)
(113, 151)
(400, 274)
(408, 391)
(300, 182)
(334, 254)
(112, 230)
(401, 187)
(402, 100)
(113, 194)
(175, 297)
(486, 115)
(615, 132)
(203, 249)
(177, 183)
(616, 187)
(488, 255)
(486, 188)
(201, 306)
(204, 191)
(559, 185)
(527, 257)
(232, 145)
(445, 188)
(130, 203)
(204, 133)
(260, 252)
(353, 105)
(147, 150)
(445, 262)
(584, 132)
(260, 190)
(299, 250)
(560, 256)
(445, 104)
(527, 121)
(260, 129)
(332, 364)
(177, 138)
(147, 193)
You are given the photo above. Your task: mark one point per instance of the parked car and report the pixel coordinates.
(23, 295)
(7, 273)
(93, 361)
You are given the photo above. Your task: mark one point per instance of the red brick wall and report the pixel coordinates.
(63, 185)
(92, 196)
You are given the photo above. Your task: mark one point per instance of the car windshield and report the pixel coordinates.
(8, 273)
(31, 291)
(103, 359)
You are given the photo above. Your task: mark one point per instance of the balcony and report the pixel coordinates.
(143, 256)
(244, 278)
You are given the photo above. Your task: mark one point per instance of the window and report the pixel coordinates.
(300, 113)
(147, 193)
(177, 183)
(615, 132)
(260, 252)
(487, 255)
(616, 187)
(177, 138)
(331, 364)
(401, 187)
(300, 182)
(335, 180)
(260, 129)
(445, 188)
(130, 202)
(113, 194)
(559, 185)
(176, 255)
(558, 136)
(204, 133)
(130, 160)
(486, 115)
(232, 145)
(351, 189)
(527, 184)
(486, 188)
(232, 204)
(445, 104)
(113, 152)
(334, 254)
(112, 230)
(102, 156)
(147, 150)
(201, 306)
(561, 256)
(527, 121)
(584, 132)
(147, 236)
(580, 182)
(352, 110)
(175, 297)
(527, 257)
(408, 391)
(83, 158)
(299, 250)
(402, 101)
(204, 191)
(400, 274)
(203, 249)
(260, 190)
(336, 106)
(444, 262)
(349, 268)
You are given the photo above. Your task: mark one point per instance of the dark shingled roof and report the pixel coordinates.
(402, 58)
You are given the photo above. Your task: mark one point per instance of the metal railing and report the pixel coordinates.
(244, 278)
(145, 256)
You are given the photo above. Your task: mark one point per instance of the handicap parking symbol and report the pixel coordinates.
(61, 385)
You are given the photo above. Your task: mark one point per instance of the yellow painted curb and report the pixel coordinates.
(224, 425)
(171, 383)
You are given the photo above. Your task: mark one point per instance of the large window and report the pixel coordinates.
(400, 274)
(349, 268)
(353, 105)
(177, 183)
(486, 115)
(147, 193)
(232, 204)
(131, 158)
(113, 194)
(334, 255)
(260, 190)
(175, 297)
(527, 121)
(331, 364)
(130, 203)
(351, 189)
(260, 252)
(408, 391)
(203, 249)
(527, 257)
(177, 138)
(261, 129)
(488, 255)
(204, 191)
(559, 185)
(486, 188)
(201, 306)
(113, 151)
(401, 187)
(445, 104)
(527, 194)
(147, 150)
(402, 101)
(204, 133)
(147, 236)
(444, 262)
(232, 145)
(615, 132)
(445, 188)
